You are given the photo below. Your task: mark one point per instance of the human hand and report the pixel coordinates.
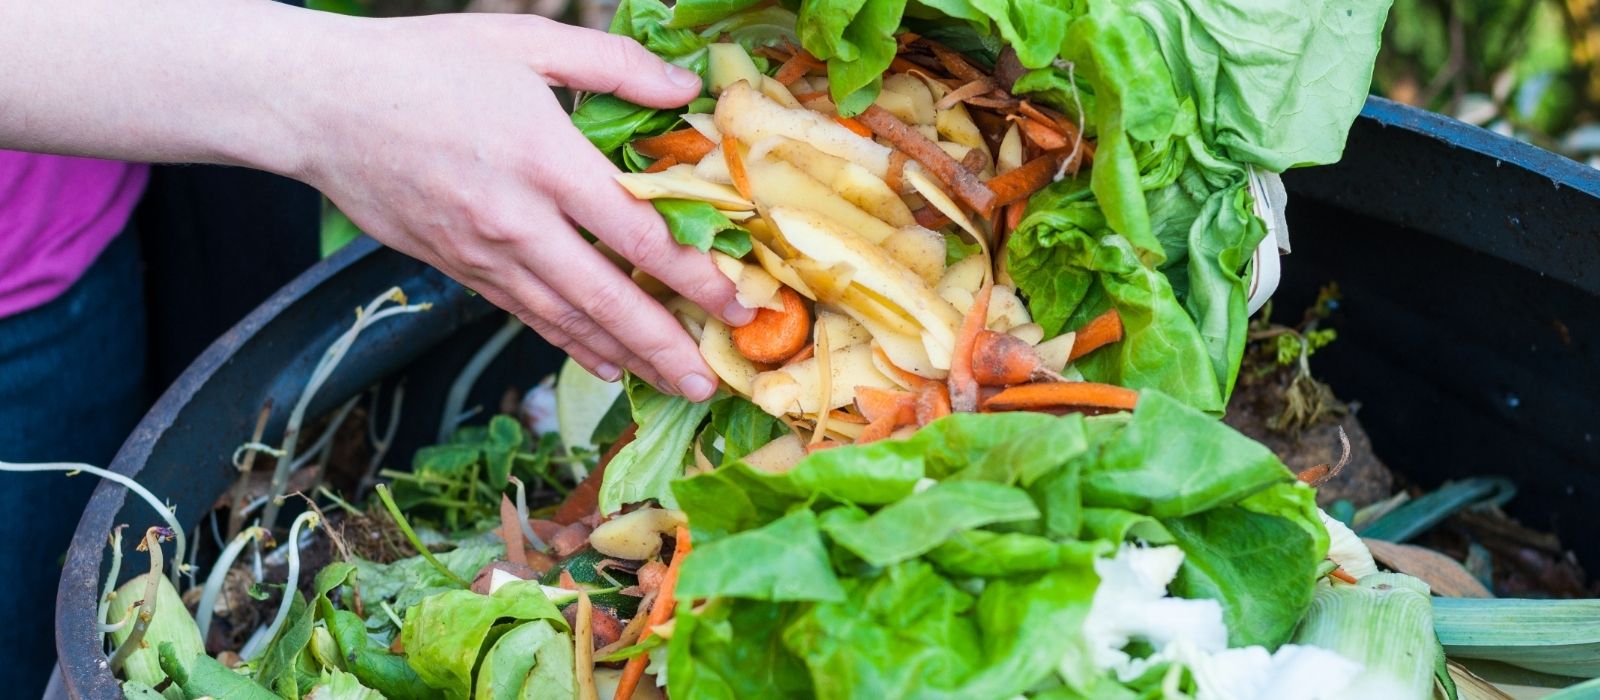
(441, 138)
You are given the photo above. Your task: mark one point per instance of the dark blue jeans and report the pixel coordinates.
(72, 386)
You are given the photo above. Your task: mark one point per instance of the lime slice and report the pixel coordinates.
(581, 400)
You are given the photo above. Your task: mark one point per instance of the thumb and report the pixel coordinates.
(584, 59)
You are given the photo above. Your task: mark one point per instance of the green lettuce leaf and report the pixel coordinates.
(700, 226)
(371, 663)
(744, 427)
(1261, 568)
(783, 560)
(732, 650)
(925, 520)
(444, 635)
(856, 38)
(1173, 460)
(646, 467)
(1277, 83)
(533, 661)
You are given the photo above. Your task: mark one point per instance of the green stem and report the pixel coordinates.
(411, 536)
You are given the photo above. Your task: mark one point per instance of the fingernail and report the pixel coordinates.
(696, 387)
(682, 78)
(608, 372)
(737, 314)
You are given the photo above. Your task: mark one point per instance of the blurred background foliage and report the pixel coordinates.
(1529, 69)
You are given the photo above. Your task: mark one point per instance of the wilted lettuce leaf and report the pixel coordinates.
(646, 467)
(533, 661)
(988, 554)
(1173, 460)
(609, 121)
(782, 560)
(1261, 568)
(925, 520)
(444, 634)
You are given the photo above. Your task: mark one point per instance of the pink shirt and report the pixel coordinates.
(56, 215)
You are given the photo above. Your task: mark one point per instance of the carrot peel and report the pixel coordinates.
(1104, 330)
(775, 336)
(964, 386)
(683, 145)
(663, 607)
(1056, 395)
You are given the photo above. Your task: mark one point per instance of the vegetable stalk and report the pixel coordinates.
(1384, 622)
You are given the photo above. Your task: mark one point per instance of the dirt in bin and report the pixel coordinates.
(1299, 419)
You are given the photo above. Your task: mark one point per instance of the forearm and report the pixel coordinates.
(198, 81)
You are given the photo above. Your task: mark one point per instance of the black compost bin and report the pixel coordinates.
(1469, 332)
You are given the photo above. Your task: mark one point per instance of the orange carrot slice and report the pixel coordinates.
(855, 125)
(735, 161)
(775, 336)
(661, 165)
(1002, 359)
(796, 68)
(961, 182)
(1052, 395)
(685, 145)
(878, 404)
(659, 612)
(1030, 177)
(1104, 330)
(933, 403)
(964, 386)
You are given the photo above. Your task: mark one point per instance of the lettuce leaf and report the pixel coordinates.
(782, 560)
(856, 38)
(645, 468)
(702, 227)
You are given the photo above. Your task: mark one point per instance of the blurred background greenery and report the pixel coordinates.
(1529, 69)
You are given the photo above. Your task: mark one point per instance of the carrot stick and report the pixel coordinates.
(955, 63)
(633, 672)
(775, 336)
(933, 403)
(796, 68)
(824, 445)
(960, 181)
(1002, 359)
(895, 178)
(661, 165)
(1014, 212)
(1104, 330)
(930, 218)
(805, 353)
(1047, 395)
(1342, 575)
(965, 92)
(877, 404)
(585, 497)
(686, 145)
(855, 125)
(735, 161)
(963, 386)
(1043, 134)
(877, 430)
(1030, 177)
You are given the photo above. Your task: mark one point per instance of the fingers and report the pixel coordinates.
(636, 232)
(551, 316)
(603, 307)
(584, 59)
